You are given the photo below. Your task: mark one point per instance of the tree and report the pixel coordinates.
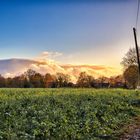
(49, 81)
(130, 58)
(33, 79)
(117, 82)
(62, 80)
(130, 68)
(18, 81)
(131, 76)
(36, 80)
(85, 80)
(103, 82)
(29, 73)
(2, 81)
(26, 83)
(9, 82)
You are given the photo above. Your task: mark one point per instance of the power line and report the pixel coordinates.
(137, 16)
(136, 44)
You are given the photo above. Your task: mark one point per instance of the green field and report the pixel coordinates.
(65, 114)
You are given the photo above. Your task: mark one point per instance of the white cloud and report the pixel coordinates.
(46, 64)
(49, 55)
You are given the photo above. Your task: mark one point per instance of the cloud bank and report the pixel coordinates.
(45, 63)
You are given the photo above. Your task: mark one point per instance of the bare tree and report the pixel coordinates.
(130, 58)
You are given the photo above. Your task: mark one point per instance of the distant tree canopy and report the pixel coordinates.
(62, 80)
(49, 80)
(33, 79)
(2, 81)
(85, 80)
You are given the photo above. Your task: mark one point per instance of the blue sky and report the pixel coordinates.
(84, 31)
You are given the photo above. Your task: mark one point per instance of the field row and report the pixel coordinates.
(29, 114)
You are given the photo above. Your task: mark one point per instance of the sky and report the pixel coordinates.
(94, 32)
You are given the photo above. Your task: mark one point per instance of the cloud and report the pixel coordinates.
(49, 55)
(44, 67)
(46, 64)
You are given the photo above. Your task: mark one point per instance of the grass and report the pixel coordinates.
(40, 114)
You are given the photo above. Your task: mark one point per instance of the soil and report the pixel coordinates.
(132, 131)
(133, 136)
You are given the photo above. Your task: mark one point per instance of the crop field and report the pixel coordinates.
(66, 114)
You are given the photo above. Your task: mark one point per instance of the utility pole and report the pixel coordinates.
(138, 56)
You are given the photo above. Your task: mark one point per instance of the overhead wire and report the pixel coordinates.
(137, 48)
(137, 16)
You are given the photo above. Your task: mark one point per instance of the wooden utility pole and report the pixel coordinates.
(138, 56)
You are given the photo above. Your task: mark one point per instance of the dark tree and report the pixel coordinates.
(2, 81)
(49, 81)
(130, 58)
(131, 76)
(62, 80)
(34, 79)
(85, 80)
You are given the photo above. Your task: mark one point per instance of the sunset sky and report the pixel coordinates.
(95, 32)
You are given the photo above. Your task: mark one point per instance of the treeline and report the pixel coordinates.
(33, 79)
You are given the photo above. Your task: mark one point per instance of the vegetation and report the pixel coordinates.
(131, 76)
(130, 58)
(130, 65)
(33, 79)
(29, 114)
